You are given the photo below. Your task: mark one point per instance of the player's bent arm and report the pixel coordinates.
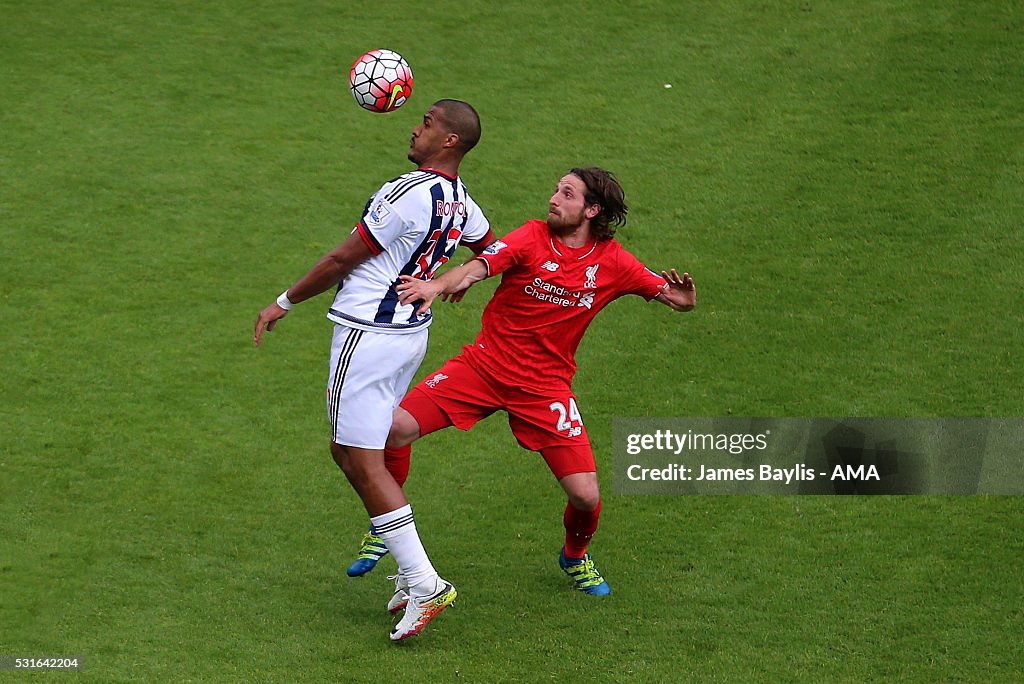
(332, 268)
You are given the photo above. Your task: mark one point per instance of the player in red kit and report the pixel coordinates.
(556, 276)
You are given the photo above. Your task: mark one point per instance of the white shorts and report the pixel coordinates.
(370, 373)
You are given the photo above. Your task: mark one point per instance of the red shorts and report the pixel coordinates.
(550, 423)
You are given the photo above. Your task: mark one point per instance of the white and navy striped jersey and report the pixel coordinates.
(412, 225)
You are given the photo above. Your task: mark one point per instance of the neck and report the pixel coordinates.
(446, 165)
(578, 237)
(447, 173)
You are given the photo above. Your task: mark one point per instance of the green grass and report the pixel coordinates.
(843, 180)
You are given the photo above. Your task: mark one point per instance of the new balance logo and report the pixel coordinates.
(432, 382)
(550, 266)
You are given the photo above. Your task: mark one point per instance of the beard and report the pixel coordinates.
(560, 224)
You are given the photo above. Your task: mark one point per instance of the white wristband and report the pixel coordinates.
(284, 302)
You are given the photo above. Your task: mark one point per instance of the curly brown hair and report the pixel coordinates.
(604, 190)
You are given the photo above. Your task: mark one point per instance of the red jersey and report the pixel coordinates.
(549, 294)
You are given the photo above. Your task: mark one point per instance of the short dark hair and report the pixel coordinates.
(604, 190)
(461, 119)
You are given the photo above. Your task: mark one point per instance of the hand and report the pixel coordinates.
(413, 290)
(680, 293)
(267, 319)
(453, 297)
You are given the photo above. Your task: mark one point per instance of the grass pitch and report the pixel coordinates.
(843, 180)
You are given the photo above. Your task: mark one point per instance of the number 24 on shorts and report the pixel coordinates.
(566, 417)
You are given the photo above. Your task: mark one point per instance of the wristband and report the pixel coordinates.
(284, 302)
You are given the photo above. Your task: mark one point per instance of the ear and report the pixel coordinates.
(451, 140)
(592, 211)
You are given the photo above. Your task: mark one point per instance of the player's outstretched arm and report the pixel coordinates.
(332, 268)
(679, 293)
(477, 249)
(455, 280)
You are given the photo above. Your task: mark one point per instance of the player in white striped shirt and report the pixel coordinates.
(411, 226)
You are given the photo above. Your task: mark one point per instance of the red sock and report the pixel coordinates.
(397, 462)
(579, 529)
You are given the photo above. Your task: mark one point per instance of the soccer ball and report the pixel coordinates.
(380, 80)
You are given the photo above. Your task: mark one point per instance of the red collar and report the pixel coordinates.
(440, 173)
(580, 252)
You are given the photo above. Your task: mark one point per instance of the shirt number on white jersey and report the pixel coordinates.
(566, 418)
(431, 258)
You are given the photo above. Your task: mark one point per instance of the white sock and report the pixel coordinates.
(398, 530)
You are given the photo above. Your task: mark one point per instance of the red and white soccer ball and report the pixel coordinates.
(380, 80)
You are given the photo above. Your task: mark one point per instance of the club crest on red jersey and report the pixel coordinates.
(433, 382)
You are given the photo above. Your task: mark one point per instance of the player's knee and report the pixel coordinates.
(582, 490)
(354, 468)
(339, 454)
(404, 429)
(585, 501)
